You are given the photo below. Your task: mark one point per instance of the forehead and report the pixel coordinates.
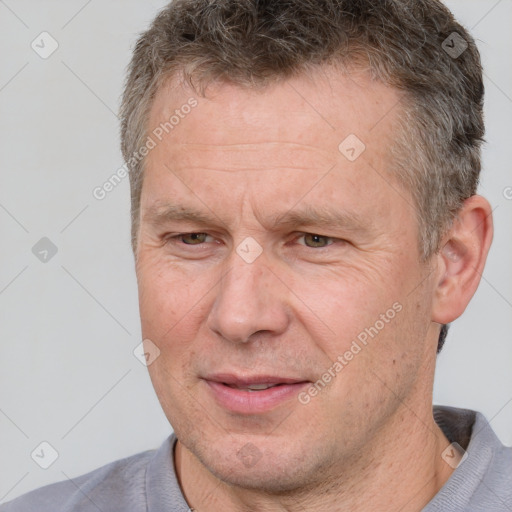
(272, 146)
(318, 111)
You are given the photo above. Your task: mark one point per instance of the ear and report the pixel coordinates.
(461, 260)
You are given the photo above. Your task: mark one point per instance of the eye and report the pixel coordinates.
(191, 238)
(316, 241)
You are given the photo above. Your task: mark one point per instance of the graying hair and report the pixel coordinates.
(410, 45)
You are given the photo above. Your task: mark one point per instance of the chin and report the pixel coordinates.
(261, 467)
(267, 478)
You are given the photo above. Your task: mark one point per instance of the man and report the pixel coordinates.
(305, 226)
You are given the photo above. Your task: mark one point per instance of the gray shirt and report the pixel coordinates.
(147, 482)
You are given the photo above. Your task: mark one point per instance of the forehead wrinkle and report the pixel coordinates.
(244, 171)
(249, 156)
(245, 145)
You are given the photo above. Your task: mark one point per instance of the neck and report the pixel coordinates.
(401, 472)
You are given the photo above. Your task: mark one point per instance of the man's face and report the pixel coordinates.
(250, 292)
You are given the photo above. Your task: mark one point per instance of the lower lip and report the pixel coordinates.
(253, 402)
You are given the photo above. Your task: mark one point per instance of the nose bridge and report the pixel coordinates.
(248, 299)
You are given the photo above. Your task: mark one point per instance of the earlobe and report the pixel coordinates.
(461, 259)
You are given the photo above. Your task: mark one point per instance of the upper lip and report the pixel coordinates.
(239, 381)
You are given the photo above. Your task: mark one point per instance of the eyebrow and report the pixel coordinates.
(306, 216)
(161, 214)
(309, 215)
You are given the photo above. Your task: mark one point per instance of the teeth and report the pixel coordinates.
(258, 387)
(252, 387)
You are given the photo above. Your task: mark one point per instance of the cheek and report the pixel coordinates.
(166, 296)
(173, 307)
(344, 304)
(374, 327)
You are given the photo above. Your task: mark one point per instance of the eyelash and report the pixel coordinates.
(176, 239)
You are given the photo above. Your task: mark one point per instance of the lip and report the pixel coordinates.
(252, 402)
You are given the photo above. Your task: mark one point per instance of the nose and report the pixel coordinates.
(249, 299)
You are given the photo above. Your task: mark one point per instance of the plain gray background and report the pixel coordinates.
(68, 375)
